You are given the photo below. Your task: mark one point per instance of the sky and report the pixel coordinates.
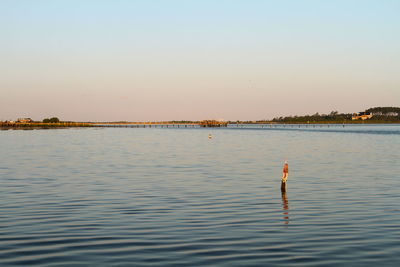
(149, 60)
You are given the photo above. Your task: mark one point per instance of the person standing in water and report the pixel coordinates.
(285, 176)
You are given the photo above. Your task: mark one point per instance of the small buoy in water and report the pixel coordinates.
(209, 136)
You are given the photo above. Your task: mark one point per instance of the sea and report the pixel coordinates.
(175, 197)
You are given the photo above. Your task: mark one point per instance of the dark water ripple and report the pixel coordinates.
(137, 197)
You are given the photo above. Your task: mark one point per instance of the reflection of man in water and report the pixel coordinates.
(285, 203)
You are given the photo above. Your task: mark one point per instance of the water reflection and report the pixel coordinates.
(285, 203)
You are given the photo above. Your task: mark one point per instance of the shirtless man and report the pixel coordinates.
(285, 175)
(285, 172)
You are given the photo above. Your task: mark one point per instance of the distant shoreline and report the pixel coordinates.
(40, 125)
(61, 125)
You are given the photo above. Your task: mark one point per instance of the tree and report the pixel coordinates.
(52, 120)
(388, 111)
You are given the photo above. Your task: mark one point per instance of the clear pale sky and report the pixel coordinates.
(191, 60)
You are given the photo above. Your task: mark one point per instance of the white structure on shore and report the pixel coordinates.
(362, 116)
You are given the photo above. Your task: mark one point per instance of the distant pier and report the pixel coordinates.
(40, 125)
(200, 124)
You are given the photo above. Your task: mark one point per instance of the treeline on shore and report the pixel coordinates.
(379, 115)
(384, 111)
(28, 123)
(333, 117)
(33, 125)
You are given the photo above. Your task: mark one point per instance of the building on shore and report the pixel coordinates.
(362, 116)
(213, 123)
(24, 120)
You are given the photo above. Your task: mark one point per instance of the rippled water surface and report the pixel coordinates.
(173, 197)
